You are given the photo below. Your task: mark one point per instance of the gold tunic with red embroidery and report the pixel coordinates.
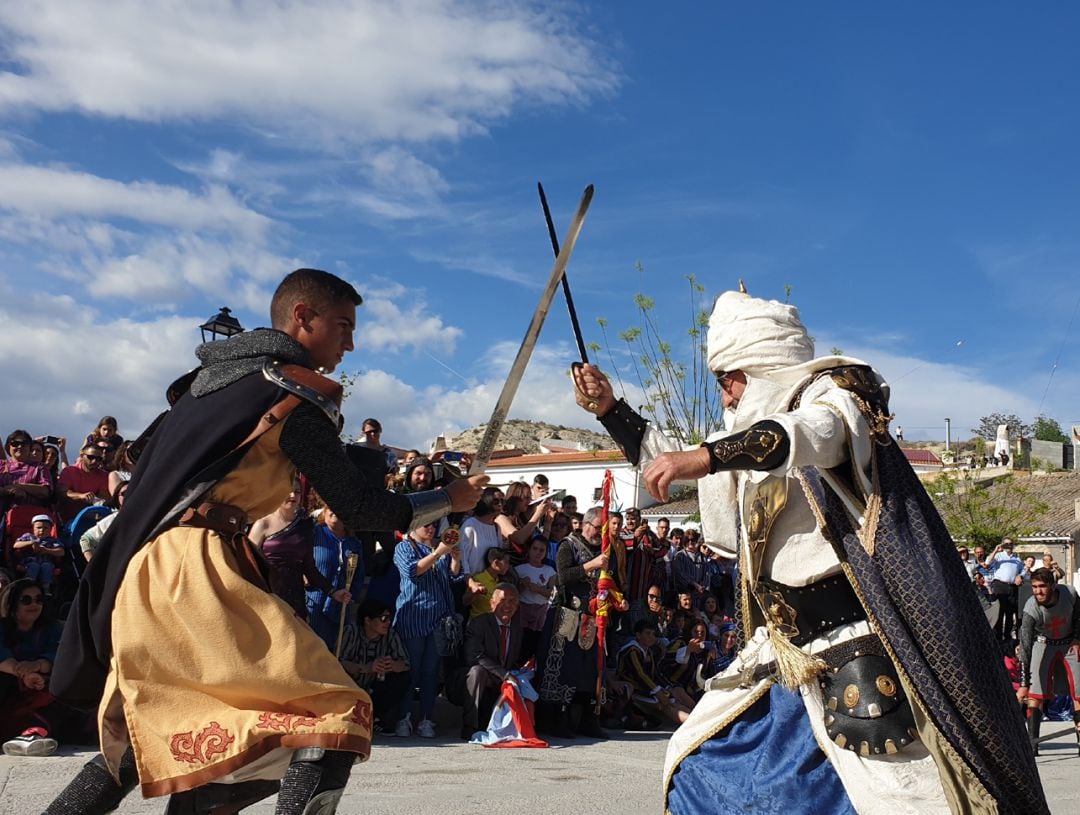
(212, 677)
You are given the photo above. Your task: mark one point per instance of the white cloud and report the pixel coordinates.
(394, 318)
(322, 71)
(57, 192)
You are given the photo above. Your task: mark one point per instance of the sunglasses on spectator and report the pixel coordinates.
(654, 596)
(19, 442)
(384, 617)
(92, 457)
(31, 600)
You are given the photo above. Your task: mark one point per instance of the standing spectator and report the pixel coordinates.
(104, 434)
(540, 486)
(1048, 562)
(120, 467)
(492, 650)
(83, 484)
(1006, 576)
(372, 433)
(331, 550)
(560, 529)
(482, 584)
(969, 563)
(567, 668)
(518, 522)
(569, 505)
(376, 659)
(426, 600)
(410, 456)
(479, 533)
(536, 583)
(286, 538)
(21, 481)
(689, 567)
(646, 553)
(419, 475)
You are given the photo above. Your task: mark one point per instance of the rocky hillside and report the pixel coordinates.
(526, 436)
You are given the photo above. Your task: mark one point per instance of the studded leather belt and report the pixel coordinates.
(812, 609)
(223, 518)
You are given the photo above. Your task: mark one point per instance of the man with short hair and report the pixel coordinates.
(540, 486)
(689, 566)
(569, 505)
(645, 556)
(83, 484)
(492, 648)
(371, 436)
(1049, 641)
(184, 705)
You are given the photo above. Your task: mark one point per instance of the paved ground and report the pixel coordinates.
(447, 777)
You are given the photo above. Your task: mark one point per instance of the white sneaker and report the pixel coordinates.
(426, 729)
(404, 728)
(29, 744)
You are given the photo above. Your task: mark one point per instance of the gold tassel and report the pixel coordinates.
(868, 532)
(794, 667)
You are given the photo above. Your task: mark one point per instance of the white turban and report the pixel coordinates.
(756, 336)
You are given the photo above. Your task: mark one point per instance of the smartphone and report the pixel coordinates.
(53, 440)
(452, 455)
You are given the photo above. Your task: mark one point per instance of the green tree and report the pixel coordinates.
(680, 394)
(983, 514)
(988, 426)
(1047, 429)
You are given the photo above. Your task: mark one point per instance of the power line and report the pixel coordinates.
(1053, 368)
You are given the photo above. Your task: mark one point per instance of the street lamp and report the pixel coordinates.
(221, 326)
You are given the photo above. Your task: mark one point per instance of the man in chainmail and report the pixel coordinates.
(863, 687)
(207, 686)
(1049, 643)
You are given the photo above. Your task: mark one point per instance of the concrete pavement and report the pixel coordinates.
(448, 777)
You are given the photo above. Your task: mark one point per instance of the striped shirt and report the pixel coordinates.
(357, 648)
(425, 599)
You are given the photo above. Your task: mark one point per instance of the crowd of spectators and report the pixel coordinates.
(53, 513)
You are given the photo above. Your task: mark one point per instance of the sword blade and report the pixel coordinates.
(517, 370)
(566, 280)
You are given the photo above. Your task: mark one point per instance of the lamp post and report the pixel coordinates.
(221, 326)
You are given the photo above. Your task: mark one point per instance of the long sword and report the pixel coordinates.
(565, 280)
(517, 370)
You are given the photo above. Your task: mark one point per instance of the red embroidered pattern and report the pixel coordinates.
(284, 722)
(361, 714)
(213, 740)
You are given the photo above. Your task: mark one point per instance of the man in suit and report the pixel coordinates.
(492, 649)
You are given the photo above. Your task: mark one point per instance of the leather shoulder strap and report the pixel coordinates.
(303, 382)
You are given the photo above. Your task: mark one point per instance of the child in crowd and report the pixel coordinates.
(40, 551)
(537, 582)
(482, 584)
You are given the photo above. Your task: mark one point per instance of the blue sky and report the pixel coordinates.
(910, 173)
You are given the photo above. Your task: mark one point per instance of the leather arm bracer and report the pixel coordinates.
(627, 428)
(763, 446)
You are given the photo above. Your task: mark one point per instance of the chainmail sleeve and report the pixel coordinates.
(1027, 640)
(311, 442)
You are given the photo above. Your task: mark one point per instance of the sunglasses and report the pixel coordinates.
(19, 443)
(89, 457)
(31, 600)
(654, 596)
(384, 618)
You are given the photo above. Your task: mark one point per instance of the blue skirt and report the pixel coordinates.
(766, 762)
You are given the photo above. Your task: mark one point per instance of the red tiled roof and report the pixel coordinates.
(921, 457)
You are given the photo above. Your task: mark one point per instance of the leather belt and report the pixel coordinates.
(223, 518)
(813, 609)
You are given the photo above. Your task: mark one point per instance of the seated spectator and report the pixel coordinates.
(684, 658)
(28, 713)
(286, 538)
(482, 584)
(479, 533)
(648, 608)
(653, 694)
(492, 650)
(376, 658)
(425, 602)
(55, 457)
(120, 467)
(518, 522)
(39, 552)
(104, 435)
(22, 481)
(332, 547)
(91, 538)
(83, 484)
(727, 647)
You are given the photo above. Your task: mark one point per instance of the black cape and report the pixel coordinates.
(198, 436)
(919, 597)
